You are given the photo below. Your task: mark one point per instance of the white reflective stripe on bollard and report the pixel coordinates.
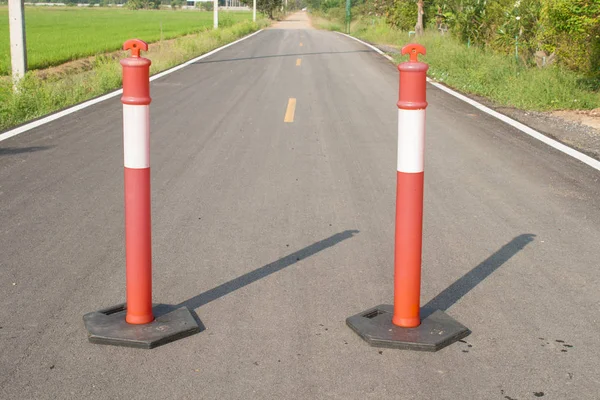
(411, 140)
(136, 136)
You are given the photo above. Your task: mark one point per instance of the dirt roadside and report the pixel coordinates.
(574, 128)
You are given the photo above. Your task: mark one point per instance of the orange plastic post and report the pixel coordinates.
(136, 132)
(409, 192)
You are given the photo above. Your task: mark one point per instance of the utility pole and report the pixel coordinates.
(254, 11)
(18, 50)
(348, 15)
(216, 14)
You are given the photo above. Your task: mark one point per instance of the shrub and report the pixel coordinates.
(142, 4)
(572, 30)
(403, 14)
(206, 5)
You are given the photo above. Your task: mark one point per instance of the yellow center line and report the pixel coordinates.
(291, 109)
(298, 62)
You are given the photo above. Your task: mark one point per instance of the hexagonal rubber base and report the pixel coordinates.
(436, 331)
(108, 326)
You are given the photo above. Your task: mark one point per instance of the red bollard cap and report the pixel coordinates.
(413, 78)
(136, 74)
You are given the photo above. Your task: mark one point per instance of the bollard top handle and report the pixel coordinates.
(135, 45)
(413, 49)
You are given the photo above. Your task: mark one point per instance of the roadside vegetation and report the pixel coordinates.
(46, 91)
(59, 34)
(531, 54)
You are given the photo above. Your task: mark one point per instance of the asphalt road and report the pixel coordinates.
(274, 232)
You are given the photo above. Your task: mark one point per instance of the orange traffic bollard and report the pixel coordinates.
(136, 148)
(400, 326)
(409, 188)
(119, 325)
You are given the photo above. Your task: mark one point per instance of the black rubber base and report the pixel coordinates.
(109, 327)
(436, 331)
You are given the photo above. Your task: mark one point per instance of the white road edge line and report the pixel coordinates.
(368, 45)
(86, 104)
(592, 162)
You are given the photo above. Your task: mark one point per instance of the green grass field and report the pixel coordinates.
(59, 34)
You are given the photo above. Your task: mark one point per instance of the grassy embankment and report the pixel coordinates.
(477, 71)
(59, 34)
(45, 91)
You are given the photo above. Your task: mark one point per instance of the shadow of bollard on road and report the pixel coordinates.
(468, 281)
(266, 270)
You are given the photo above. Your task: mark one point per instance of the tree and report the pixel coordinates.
(572, 31)
(267, 7)
(420, 12)
(142, 4)
(205, 5)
